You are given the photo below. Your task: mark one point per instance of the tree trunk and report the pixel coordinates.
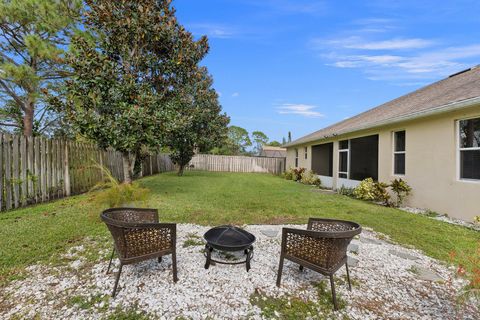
(28, 119)
(128, 160)
(180, 170)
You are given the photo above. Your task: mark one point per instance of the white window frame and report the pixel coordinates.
(296, 157)
(459, 150)
(399, 152)
(305, 150)
(347, 151)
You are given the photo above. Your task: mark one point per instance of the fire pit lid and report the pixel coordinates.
(229, 238)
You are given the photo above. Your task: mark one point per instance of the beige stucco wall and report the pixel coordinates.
(432, 166)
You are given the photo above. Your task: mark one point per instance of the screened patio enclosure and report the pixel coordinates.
(364, 158)
(322, 163)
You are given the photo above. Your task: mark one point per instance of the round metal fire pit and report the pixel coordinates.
(228, 238)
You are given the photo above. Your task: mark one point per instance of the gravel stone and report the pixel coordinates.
(403, 255)
(383, 284)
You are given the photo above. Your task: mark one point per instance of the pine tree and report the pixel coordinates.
(33, 37)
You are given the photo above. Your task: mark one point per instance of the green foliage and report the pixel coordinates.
(259, 139)
(401, 190)
(476, 219)
(194, 120)
(33, 36)
(289, 174)
(468, 267)
(236, 142)
(297, 173)
(346, 191)
(130, 60)
(116, 194)
(309, 177)
(274, 143)
(370, 190)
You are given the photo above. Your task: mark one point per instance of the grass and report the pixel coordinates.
(39, 233)
(291, 307)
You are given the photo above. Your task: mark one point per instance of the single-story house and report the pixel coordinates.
(273, 152)
(430, 138)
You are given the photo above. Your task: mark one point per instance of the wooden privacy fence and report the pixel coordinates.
(211, 162)
(36, 169)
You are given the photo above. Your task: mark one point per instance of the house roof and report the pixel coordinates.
(270, 151)
(462, 86)
(272, 148)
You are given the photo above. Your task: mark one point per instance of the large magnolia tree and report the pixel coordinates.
(33, 37)
(132, 58)
(195, 121)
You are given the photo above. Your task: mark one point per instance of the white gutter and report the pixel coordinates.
(411, 116)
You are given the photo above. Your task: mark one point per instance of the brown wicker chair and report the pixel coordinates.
(322, 248)
(138, 236)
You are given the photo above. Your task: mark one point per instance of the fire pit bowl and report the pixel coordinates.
(228, 238)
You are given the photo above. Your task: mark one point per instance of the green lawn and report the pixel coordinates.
(39, 233)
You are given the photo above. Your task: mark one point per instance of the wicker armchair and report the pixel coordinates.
(322, 248)
(138, 236)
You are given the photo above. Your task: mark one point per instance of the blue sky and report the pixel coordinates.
(297, 65)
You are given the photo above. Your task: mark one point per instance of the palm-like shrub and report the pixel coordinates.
(116, 194)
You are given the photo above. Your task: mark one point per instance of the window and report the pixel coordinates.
(363, 158)
(296, 157)
(469, 148)
(322, 159)
(399, 152)
(343, 159)
(306, 152)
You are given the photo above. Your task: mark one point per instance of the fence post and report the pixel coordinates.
(66, 170)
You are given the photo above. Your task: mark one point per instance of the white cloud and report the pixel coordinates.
(357, 42)
(299, 109)
(404, 59)
(212, 30)
(235, 94)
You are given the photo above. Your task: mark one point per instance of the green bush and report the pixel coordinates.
(297, 173)
(288, 174)
(346, 191)
(476, 219)
(370, 190)
(401, 190)
(309, 177)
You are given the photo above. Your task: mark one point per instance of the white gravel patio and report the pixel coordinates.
(390, 282)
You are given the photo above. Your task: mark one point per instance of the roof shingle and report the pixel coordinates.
(457, 87)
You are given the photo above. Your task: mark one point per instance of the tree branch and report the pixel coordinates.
(9, 124)
(12, 94)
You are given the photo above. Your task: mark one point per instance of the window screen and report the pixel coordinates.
(399, 153)
(470, 149)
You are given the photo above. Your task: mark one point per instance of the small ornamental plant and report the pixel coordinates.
(401, 190)
(468, 267)
(297, 173)
(309, 177)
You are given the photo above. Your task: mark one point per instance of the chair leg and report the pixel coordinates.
(348, 277)
(280, 270)
(174, 266)
(334, 295)
(111, 258)
(116, 281)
